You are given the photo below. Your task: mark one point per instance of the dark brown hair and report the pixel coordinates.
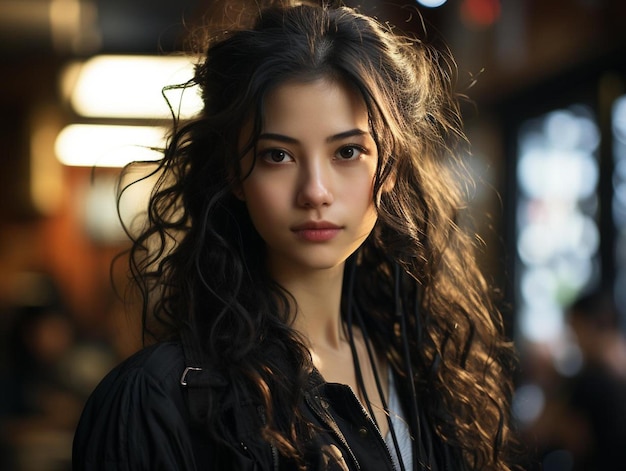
(200, 262)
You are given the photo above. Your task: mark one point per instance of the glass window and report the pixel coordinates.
(619, 201)
(557, 236)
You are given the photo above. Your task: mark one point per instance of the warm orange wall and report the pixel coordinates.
(58, 245)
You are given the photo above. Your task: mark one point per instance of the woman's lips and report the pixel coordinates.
(316, 231)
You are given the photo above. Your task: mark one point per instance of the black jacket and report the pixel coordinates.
(138, 419)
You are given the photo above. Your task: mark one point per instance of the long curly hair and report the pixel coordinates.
(199, 262)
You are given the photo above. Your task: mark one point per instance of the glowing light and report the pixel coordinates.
(131, 87)
(552, 173)
(480, 12)
(541, 322)
(619, 202)
(431, 3)
(528, 403)
(74, 26)
(46, 173)
(619, 118)
(108, 146)
(558, 238)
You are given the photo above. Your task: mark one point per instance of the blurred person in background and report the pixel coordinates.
(597, 393)
(39, 405)
(580, 380)
(47, 373)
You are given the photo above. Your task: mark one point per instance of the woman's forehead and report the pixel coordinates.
(319, 104)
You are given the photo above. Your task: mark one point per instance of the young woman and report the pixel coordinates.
(314, 302)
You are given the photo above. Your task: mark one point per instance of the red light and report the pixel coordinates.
(480, 12)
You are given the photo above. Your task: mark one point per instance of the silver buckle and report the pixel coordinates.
(183, 378)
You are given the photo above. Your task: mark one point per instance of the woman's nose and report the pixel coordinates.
(314, 188)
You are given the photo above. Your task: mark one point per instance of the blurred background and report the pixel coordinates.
(80, 94)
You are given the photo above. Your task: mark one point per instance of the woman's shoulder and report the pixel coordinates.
(160, 362)
(133, 409)
(151, 373)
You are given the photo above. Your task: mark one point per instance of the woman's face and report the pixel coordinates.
(310, 193)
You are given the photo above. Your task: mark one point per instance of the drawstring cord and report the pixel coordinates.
(355, 356)
(357, 366)
(423, 443)
(421, 457)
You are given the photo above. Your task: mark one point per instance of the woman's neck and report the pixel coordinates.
(318, 297)
(318, 319)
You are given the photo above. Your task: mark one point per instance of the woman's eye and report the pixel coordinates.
(276, 156)
(350, 152)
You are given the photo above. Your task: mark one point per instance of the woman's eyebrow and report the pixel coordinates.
(278, 137)
(335, 137)
(346, 134)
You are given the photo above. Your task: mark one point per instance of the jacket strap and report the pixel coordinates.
(196, 379)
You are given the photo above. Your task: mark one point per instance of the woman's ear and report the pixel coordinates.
(390, 181)
(388, 185)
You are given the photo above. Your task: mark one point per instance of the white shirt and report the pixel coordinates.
(403, 434)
